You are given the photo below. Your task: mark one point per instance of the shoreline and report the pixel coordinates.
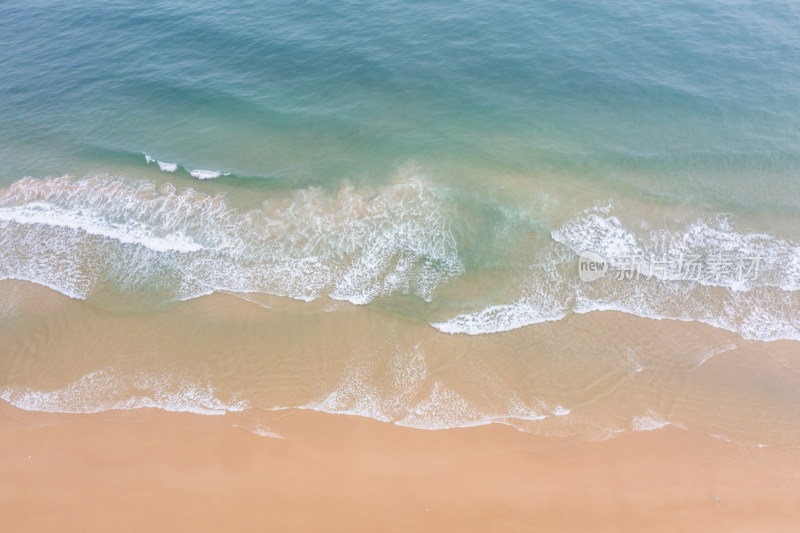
(161, 471)
(146, 468)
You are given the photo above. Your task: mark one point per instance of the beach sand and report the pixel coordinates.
(673, 426)
(159, 471)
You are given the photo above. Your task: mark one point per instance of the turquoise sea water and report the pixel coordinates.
(448, 161)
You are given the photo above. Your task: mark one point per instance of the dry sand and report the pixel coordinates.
(156, 471)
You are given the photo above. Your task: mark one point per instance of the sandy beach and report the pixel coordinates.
(157, 471)
(82, 447)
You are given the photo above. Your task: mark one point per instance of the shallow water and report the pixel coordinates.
(439, 169)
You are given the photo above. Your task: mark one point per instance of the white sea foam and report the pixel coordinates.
(538, 303)
(764, 307)
(265, 433)
(519, 410)
(94, 224)
(648, 422)
(715, 351)
(631, 361)
(205, 174)
(410, 399)
(442, 408)
(499, 318)
(599, 231)
(413, 401)
(107, 389)
(260, 431)
(739, 442)
(356, 395)
(561, 411)
(67, 233)
(172, 167)
(409, 371)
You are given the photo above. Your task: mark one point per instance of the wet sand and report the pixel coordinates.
(157, 471)
(692, 385)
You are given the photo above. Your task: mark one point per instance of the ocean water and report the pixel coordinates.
(443, 165)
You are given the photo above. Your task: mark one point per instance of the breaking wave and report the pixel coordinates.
(200, 174)
(75, 234)
(761, 302)
(105, 390)
(104, 235)
(410, 399)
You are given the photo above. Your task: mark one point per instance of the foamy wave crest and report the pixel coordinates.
(410, 400)
(599, 231)
(205, 174)
(499, 318)
(541, 301)
(199, 173)
(106, 390)
(94, 224)
(763, 306)
(72, 234)
(162, 165)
